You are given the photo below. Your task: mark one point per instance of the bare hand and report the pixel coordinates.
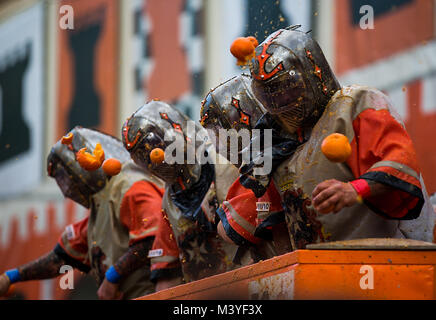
(4, 285)
(333, 195)
(109, 291)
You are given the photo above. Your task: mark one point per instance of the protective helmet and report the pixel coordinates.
(231, 105)
(145, 130)
(292, 78)
(75, 182)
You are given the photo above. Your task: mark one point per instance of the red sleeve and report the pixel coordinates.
(382, 151)
(240, 214)
(140, 210)
(74, 241)
(164, 254)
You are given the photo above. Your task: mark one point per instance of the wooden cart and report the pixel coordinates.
(354, 269)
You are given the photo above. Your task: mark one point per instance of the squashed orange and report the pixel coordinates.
(242, 49)
(253, 40)
(328, 210)
(68, 139)
(157, 155)
(111, 166)
(336, 147)
(89, 161)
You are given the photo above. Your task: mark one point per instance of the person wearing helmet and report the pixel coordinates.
(377, 192)
(124, 226)
(194, 188)
(244, 218)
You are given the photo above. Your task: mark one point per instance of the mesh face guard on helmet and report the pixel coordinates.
(78, 192)
(151, 136)
(145, 130)
(292, 78)
(75, 182)
(231, 105)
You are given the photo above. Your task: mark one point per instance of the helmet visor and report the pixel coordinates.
(141, 156)
(281, 93)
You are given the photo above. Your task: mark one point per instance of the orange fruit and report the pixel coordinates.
(10, 291)
(68, 139)
(157, 155)
(328, 210)
(111, 166)
(336, 147)
(242, 49)
(253, 40)
(89, 161)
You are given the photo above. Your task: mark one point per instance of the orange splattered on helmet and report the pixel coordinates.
(68, 139)
(92, 161)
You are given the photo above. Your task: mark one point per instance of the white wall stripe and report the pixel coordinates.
(428, 94)
(393, 72)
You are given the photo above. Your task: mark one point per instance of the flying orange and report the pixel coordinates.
(253, 40)
(336, 147)
(111, 166)
(157, 155)
(243, 49)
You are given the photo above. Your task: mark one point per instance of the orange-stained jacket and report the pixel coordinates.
(382, 151)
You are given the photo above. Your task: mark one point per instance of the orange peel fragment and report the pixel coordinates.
(68, 139)
(89, 161)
